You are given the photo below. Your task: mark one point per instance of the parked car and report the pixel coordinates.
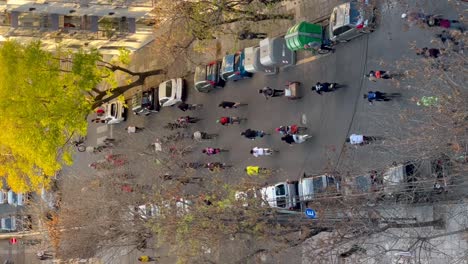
(171, 92)
(8, 224)
(114, 112)
(283, 195)
(3, 196)
(351, 20)
(146, 211)
(400, 178)
(232, 67)
(145, 103)
(16, 223)
(207, 77)
(312, 187)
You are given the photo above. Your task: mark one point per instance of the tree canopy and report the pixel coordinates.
(44, 98)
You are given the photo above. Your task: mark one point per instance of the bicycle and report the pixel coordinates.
(79, 144)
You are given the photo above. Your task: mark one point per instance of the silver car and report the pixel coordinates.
(351, 20)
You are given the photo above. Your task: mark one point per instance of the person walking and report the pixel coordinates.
(324, 87)
(184, 120)
(184, 106)
(253, 134)
(226, 120)
(227, 104)
(212, 151)
(375, 75)
(147, 258)
(375, 96)
(298, 139)
(256, 152)
(429, 52)
(100, 111)
(269, 92)
(246, 34)
(317, 46)
(44, 255)
(355, 139)
(133, 129)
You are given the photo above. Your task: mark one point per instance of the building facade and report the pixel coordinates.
(106, 25)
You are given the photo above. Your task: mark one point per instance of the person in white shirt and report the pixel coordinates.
(133, 129)
(261, 151)
(355, 139)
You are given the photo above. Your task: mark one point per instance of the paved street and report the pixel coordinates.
(330, 118)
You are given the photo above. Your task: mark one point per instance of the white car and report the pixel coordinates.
(171, 92)
(114, 112)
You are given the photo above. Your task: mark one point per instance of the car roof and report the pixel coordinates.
(341, 16)
(162, 89)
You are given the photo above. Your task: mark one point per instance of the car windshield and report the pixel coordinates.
(169, 89)
(356, 13)
(145, 100)
(318, 184)
(280, 190)
(201, 73)
(237, 58)
(113, 109)
(341, 30)
(281, 202)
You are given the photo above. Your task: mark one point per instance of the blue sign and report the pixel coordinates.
(310, 213)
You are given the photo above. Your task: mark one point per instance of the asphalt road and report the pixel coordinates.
(330, 117)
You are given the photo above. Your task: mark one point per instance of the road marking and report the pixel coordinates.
(310, 59)
(111, 133)
(304, 119)
(101, 129)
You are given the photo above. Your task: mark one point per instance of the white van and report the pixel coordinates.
(283, 195)
(311, 187)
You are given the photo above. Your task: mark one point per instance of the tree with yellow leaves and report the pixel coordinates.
(44, 100)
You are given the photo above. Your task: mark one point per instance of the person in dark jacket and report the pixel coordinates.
(252, 134)
(227, 104)
(288, 139)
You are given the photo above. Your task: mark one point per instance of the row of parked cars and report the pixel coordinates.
(12, 198)
(347, 21)
(401, 182)
(144, 103)
(271, 54)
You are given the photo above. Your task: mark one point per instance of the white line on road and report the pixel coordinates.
(111, 133)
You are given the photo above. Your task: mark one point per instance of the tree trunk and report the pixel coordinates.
(98, 100)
